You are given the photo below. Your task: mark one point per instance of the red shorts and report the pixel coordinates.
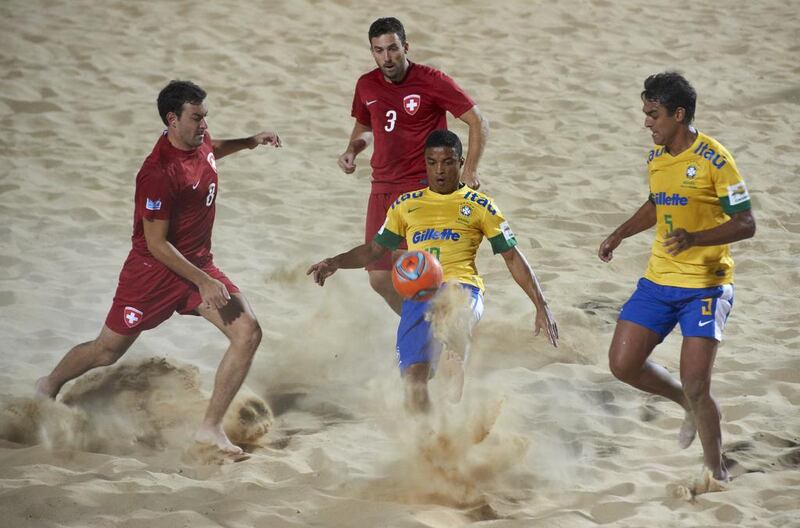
(379, 203)
(149, 293)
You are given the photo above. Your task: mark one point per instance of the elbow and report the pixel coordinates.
(749, 227)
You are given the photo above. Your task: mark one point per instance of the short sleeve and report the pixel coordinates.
(451, 96)
(359, 110)
(393, 230)
(729, 185)
(154, 193)
(496, 229)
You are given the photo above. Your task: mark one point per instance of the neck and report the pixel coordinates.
(683, 140)
(176, 142)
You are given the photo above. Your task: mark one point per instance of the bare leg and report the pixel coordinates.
(697, 361)
(631, 346)
(416, 382)
(104, 350)
(238, 322)
(381, 282)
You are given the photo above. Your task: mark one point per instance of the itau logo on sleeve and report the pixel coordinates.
(153, 205)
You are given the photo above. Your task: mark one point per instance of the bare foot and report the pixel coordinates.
(216, 437)
(688, 431)
(43, 389)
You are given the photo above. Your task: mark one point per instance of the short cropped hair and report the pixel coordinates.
(387, 26)
(175, 94)
(671, 90)
(444, 138)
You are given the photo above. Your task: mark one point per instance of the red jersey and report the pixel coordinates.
(402, 116)
(180, 186)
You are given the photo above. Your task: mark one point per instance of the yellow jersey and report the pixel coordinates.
(695, 190)
(450, 226)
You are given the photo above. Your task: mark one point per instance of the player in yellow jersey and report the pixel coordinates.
(699, 204)
(449, 220)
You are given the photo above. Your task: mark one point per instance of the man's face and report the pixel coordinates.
(390, 56)
(662, 125)
(190, 128)
(444, 169)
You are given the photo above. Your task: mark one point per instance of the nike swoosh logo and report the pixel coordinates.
(196, 184)
(703, 323)
(413, 209)
(373, 101)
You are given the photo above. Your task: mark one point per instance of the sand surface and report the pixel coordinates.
(543, 437)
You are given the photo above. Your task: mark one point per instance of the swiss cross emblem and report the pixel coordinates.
(132, 316)
(411, 103)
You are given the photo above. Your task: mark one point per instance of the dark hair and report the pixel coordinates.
(386, 26)
(444, 138)
(175, 94)
(671, 90)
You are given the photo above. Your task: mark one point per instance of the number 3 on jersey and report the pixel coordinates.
(212, 192)
(391, 118)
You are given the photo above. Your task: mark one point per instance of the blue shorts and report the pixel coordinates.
(415, 342)
(701, 312)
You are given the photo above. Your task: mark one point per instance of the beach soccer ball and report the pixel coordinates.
(417, 275)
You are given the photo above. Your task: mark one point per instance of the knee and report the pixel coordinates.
(105, 355)
(381, 283)
(621, 369)
(696, 389)
(248, 336)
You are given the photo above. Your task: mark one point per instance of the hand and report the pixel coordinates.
(347, 162)
(471, 179)
(607, 247)
(265, 138)
(545, 319)
(678, 240)
(322, 270)
(213, 293)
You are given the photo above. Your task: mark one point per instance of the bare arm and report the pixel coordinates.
(224, 147)
(358, 257)
(213, 292)
(524, 276)
(478, 134)
(742, 225)
(643, 219)
(360, 138)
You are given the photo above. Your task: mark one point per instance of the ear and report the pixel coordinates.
(461, 162)
(172, 118)
(680, 114)
(405, 46)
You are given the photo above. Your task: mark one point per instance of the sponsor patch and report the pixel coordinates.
(507, 232)
(153, 205)
(737, 193)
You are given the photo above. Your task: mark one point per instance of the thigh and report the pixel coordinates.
(631, 345)
(697, 358)
(376, 215)
(232, 319)
(114, 342)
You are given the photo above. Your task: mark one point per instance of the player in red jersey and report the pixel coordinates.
(399, 104)
(170, 267)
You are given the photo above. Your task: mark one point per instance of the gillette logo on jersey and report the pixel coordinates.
(663, 198)
(432, 234)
